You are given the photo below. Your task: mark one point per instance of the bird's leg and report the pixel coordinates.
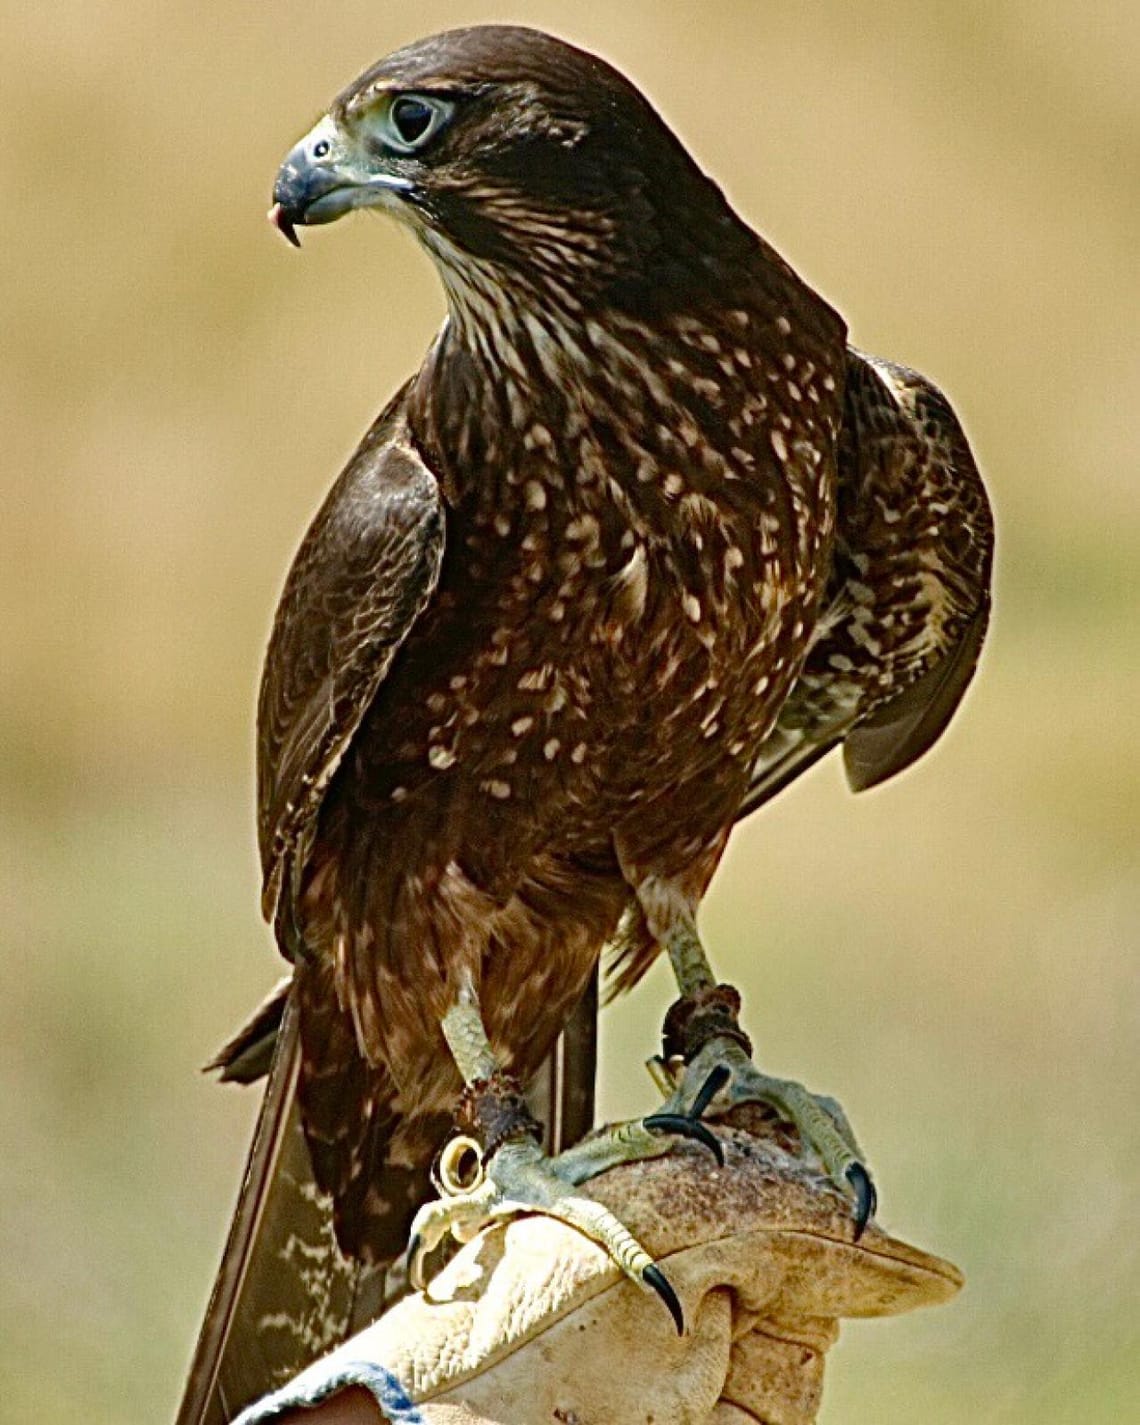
(495, 1167)
(702, 1028)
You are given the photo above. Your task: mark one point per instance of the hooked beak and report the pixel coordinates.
(281, 220)
(319, 183)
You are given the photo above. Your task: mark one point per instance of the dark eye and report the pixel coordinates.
(321, 148)
(410, 121)
(411, 118)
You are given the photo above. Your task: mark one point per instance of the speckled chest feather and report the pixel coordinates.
(638, 540)
(639, 527)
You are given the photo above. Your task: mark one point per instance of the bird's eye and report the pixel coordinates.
(413, 119)
(321, 148)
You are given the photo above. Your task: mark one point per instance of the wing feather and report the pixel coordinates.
(364, 573)
(907, 604)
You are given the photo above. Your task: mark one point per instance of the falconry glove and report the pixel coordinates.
(531, 1322)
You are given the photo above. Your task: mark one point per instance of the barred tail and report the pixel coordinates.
(285, 1292)
(370, 1159)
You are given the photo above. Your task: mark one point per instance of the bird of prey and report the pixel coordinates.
(641, 540)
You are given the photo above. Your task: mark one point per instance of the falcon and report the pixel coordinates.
(641, 539)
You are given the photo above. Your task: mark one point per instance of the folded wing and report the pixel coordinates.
(908, 601)
(365, 572)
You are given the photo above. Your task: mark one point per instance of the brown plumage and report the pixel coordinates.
(532, 644)
(908, 596)
(577, 602)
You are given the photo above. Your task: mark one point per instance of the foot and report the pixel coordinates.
(721, 1068)
(519, 1177)
(494, 1168)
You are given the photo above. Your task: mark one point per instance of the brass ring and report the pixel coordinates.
(461, 1169)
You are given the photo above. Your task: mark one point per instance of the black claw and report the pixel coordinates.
(686, 1127)
(866, 1198)
(716, 1080)
(653, 1276)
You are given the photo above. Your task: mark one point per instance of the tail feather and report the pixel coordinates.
(372, 1160)
(285, 1293)
(248, 1056)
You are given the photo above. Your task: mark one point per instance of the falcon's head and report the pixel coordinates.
(519, 161)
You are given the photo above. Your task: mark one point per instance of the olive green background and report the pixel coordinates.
(952, 955)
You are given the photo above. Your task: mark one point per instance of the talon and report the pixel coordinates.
(822, 1125)
(656, 1279)
(718, 1077)
(866, 1198)
(412, 1265)
(686, 1126)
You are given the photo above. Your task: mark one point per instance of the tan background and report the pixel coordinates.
(952, 955)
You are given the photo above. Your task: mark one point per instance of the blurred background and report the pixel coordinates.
(953, 955)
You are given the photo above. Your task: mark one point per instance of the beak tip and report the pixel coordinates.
(281, 221)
